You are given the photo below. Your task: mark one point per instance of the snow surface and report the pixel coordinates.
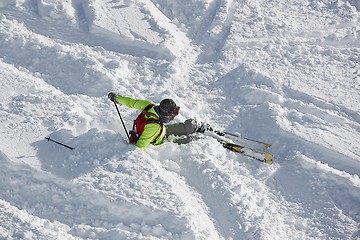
(285, 72)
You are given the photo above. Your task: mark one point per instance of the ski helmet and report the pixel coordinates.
(168, 108)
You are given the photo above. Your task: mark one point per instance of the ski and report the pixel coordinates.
(238, 138)
(264, 157)
(243, 148)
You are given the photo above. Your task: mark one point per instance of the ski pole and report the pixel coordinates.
(122, 121)
(231, 134)
(267, 145)
(49, 139)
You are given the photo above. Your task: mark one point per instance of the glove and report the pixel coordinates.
(112, 96)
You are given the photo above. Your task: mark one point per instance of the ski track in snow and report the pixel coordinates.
(277, 71)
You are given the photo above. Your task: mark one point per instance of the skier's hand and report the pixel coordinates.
(112, 96)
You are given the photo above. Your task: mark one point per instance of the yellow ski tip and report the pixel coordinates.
(268, 158)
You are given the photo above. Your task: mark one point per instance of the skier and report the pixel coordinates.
(149, 126)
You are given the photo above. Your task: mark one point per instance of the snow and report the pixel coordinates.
(284, 72)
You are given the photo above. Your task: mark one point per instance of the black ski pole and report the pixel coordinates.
(122, 121)
(49, 139)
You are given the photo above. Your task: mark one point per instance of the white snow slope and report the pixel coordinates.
(281, 71)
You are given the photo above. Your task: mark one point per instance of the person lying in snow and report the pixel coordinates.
(149, 126)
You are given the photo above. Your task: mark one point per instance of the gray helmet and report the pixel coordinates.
(168, 107)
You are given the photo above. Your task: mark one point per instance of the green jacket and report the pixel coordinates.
(151, 130)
